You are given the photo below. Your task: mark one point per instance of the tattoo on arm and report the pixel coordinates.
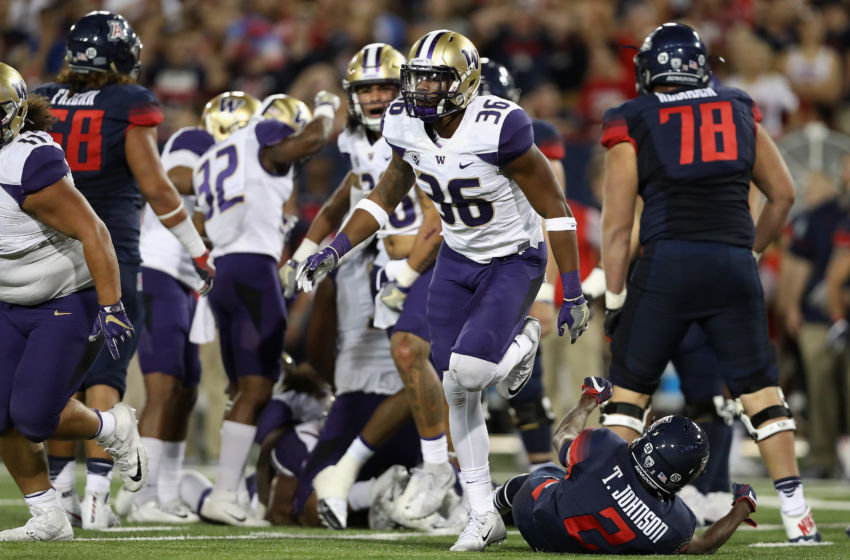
(394, 184)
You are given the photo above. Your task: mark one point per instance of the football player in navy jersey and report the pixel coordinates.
(690, 151)
(107, 125)
(474, 156)
(58, 277)
(615, 497)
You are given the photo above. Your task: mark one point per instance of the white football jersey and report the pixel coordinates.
(363, 361)
(159, 248)
(242, 201)
(37, 263)
(485, 214)
(368, 162)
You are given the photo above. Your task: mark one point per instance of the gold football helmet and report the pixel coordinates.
(441, 76)
(13, 103)
(376, 63)
(227, 112)
(286, 109)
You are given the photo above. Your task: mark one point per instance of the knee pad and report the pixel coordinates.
(624, 414)
(752, 423)
(531, 414)
(715, 409)
(471, 373)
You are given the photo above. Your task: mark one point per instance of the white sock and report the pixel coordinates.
(358, 496)
(359, 451)
(149, 490)
(66, 480)
(98, 483)
(44, 499)
(236, 441)
(435, 451)
(169, 471)
(476, 483)
(107, 425)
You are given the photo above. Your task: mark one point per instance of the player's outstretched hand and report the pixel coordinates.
(597, 387)
(575, 314)
(315, 267)
(393, 295)
(326, 98)
(206, 271)
(745, 492)
(287, 274)
(112, 322)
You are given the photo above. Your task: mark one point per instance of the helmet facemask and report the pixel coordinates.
(430, 92)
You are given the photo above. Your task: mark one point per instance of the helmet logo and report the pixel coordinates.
(701, 59)
(648, 462)
(675, 477)
(647, 448)
(230, 104)
(20, 88)
(91, 52)
(663, 57)
(471, 58)
(662, 477)
(675, 63)
(117, 32)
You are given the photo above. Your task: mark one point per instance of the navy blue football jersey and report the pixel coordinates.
(601, 506)
(91, 128)
(695, 152)
(548, 139)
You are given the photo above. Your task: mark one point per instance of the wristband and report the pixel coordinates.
(188, 236)
(375, 210)
(304, 250)
(392, 268)
(340, 245)
(561, 224)
(571, 282)
(546, 293)
(324, 110)
(406, 276)
(172, 213)
(614, 301)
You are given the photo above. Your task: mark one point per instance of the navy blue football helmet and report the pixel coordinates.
(670, 454)
(497, 80)
(103, 42)
(673, 54)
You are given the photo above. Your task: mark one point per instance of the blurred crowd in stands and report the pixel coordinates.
(572, 59)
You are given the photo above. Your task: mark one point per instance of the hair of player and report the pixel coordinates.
(91, 80)
(39, 116)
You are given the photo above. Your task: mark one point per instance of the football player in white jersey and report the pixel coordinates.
(476, 159)
(58, 277)
(410, 244)
(168, 360)
(242, 184)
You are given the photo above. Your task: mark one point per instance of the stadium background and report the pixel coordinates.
(568, 59)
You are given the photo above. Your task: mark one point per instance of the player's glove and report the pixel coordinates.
(594, 285)
(325, 104)
(613, 310)
(318, 265)
(394, 292)
(288, 272)
(597, 387)
(206, 271)
(836, 336)
(574, 311)
(745, 492)
(112, 322)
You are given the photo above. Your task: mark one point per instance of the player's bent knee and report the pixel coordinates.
(408, 351)
(537, 412)
(770, 420)
(471, 373)
(36, 428)
(627, 415)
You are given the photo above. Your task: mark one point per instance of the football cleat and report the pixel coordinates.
(801, 528)
(70, 501)
(46, 524)
(123, 502)
(125, 446)
(96, 512)
(518, 377)
(426, 490)
(152, 512)
(332, 485)
(383, 493)
(481, 530)
(224, 507)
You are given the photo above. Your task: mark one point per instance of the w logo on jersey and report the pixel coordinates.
(440, 159)
(230, 104)
(471, 57)
(117, 31)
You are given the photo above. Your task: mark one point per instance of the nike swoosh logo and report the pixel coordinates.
(464, 166)
(237, 519)
(485, 537)
(59, 313)
(138, 476)
(112, 319)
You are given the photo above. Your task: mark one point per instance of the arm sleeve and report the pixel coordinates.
(515, 138)
(271, 132)
(144, 109)
(615, 129)
(841, 237)
(548, 139)
(44, 166)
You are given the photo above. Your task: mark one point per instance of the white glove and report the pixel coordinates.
(325, 104)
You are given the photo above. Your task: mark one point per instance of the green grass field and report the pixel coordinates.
(830, 500)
